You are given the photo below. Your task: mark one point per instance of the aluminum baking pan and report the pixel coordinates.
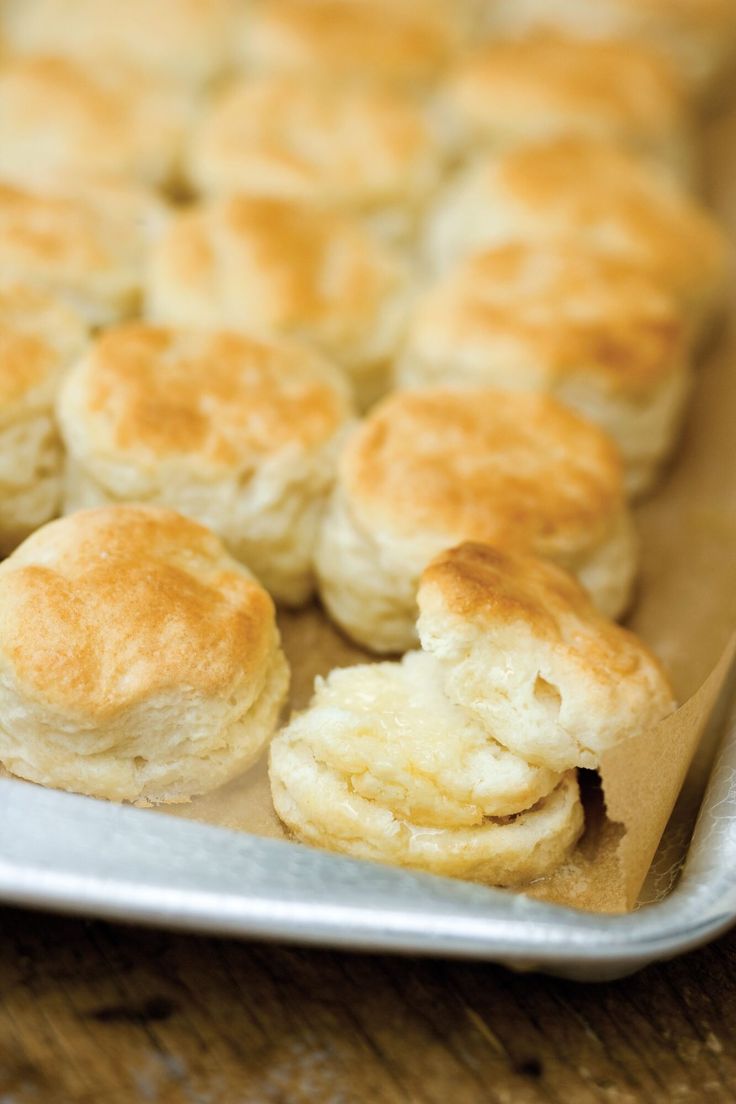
(78, 855)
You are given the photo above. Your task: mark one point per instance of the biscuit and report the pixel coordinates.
(427, 469)
(596, 194)
(383, 766)
(88, 248)
(138, 661)
(39, 339)
(546, 86)
(239, 433)
(389, 42)
(59, 119)
(369, 150)
(523, 649)
(598, 333)
(698, 36)
(287, 268)
(187, 41)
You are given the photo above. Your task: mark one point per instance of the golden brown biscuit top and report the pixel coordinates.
(57, 115)
(39, 338)
(336, 145)
(618, 203)
(571, 309)
(704, 13)
(180, 38)
(656, 19)
(490, 588)
(281, 263)
(486, 465)
(107, 607)
(547, 79)
(223, 398)
(357, 39)
(59, 238)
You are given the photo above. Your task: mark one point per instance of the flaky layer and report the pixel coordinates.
(393, 733)
(162, 752)
(319, 807)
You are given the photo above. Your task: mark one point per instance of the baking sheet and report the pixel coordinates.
(685, 609)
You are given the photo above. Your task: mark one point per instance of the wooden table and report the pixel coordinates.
(96, 1014)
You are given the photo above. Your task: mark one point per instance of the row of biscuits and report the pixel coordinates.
(253, 436)
(140, 662)
(461, 759)
(194, 43)
(501, 233)
(366, 146)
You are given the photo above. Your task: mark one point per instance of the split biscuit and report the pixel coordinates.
(383, 766)
(522, 649)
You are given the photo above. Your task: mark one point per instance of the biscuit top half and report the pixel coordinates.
(487, 465)
(105, 608)
(57, 116)
(254, 261)
(40, 337)
(560, 308)
(401, 43)
(488, 589)
(222, 400)
(77, 244)
(520, 644)
(188, 40)
(618, 203)
(546, 82)
(346, 145)
(694, 33)
(604, 197)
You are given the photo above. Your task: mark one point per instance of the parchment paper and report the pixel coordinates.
(686, 610)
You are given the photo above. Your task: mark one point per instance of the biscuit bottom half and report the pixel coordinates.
(383, 766)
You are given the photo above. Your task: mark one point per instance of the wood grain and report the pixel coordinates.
(92, 1013)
